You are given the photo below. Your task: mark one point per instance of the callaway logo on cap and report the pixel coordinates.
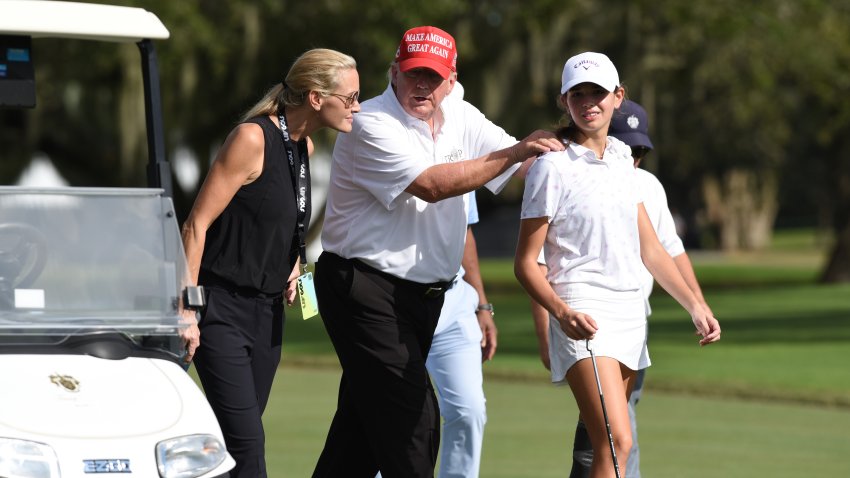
(427, 47)
(589, 67)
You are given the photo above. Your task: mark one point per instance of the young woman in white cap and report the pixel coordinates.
(583, 207)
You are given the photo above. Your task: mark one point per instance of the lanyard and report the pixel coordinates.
(299, 180)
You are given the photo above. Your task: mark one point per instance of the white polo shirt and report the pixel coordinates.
(370, 217)
(655, 202)
(591, 206)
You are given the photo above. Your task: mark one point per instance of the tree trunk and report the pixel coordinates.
(838, 267)
(742, 205)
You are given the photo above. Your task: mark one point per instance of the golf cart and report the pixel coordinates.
(93, 283)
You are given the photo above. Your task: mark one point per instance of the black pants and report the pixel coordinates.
(240, 349)
(387, 416)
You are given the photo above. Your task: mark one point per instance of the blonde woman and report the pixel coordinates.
(245, 234)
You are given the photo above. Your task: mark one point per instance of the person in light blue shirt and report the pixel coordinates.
(465, 336)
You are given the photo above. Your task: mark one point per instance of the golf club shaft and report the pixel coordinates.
(604, 410)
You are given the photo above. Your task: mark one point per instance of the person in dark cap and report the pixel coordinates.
(392, 239)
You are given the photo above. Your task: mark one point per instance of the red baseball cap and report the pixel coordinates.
(427, 47)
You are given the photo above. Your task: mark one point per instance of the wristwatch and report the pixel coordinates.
(488, 307)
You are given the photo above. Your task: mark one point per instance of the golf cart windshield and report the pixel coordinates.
(88, 262)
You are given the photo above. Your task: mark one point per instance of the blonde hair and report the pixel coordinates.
(315, 70)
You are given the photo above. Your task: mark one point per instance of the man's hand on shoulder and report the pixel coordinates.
(536, 143)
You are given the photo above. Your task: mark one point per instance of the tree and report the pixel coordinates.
(743, 96)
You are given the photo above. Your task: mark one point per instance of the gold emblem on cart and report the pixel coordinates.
(67, 382)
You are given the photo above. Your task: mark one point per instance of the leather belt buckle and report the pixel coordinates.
(433, 292)
(438, 288)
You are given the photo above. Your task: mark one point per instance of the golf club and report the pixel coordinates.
(604, 411)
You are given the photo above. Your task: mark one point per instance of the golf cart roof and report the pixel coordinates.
(44, 19)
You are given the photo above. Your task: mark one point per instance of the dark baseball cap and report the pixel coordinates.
(630, 125)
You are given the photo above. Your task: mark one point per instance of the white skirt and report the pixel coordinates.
(621, 335)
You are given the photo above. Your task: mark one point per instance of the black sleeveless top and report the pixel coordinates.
(252, 246)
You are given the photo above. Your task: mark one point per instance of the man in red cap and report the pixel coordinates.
(393, 238)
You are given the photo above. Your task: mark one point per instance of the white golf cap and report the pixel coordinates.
(589, 67)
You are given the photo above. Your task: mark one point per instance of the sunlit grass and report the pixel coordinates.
(770, 399)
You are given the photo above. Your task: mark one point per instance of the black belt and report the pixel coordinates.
(432, 290)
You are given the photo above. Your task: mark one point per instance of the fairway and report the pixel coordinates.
(530, 427)
(771, 399)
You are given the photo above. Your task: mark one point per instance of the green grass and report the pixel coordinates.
(786, 343)
(530, 428)
(772, 398)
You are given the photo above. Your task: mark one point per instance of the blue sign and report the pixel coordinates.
(18, 54)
